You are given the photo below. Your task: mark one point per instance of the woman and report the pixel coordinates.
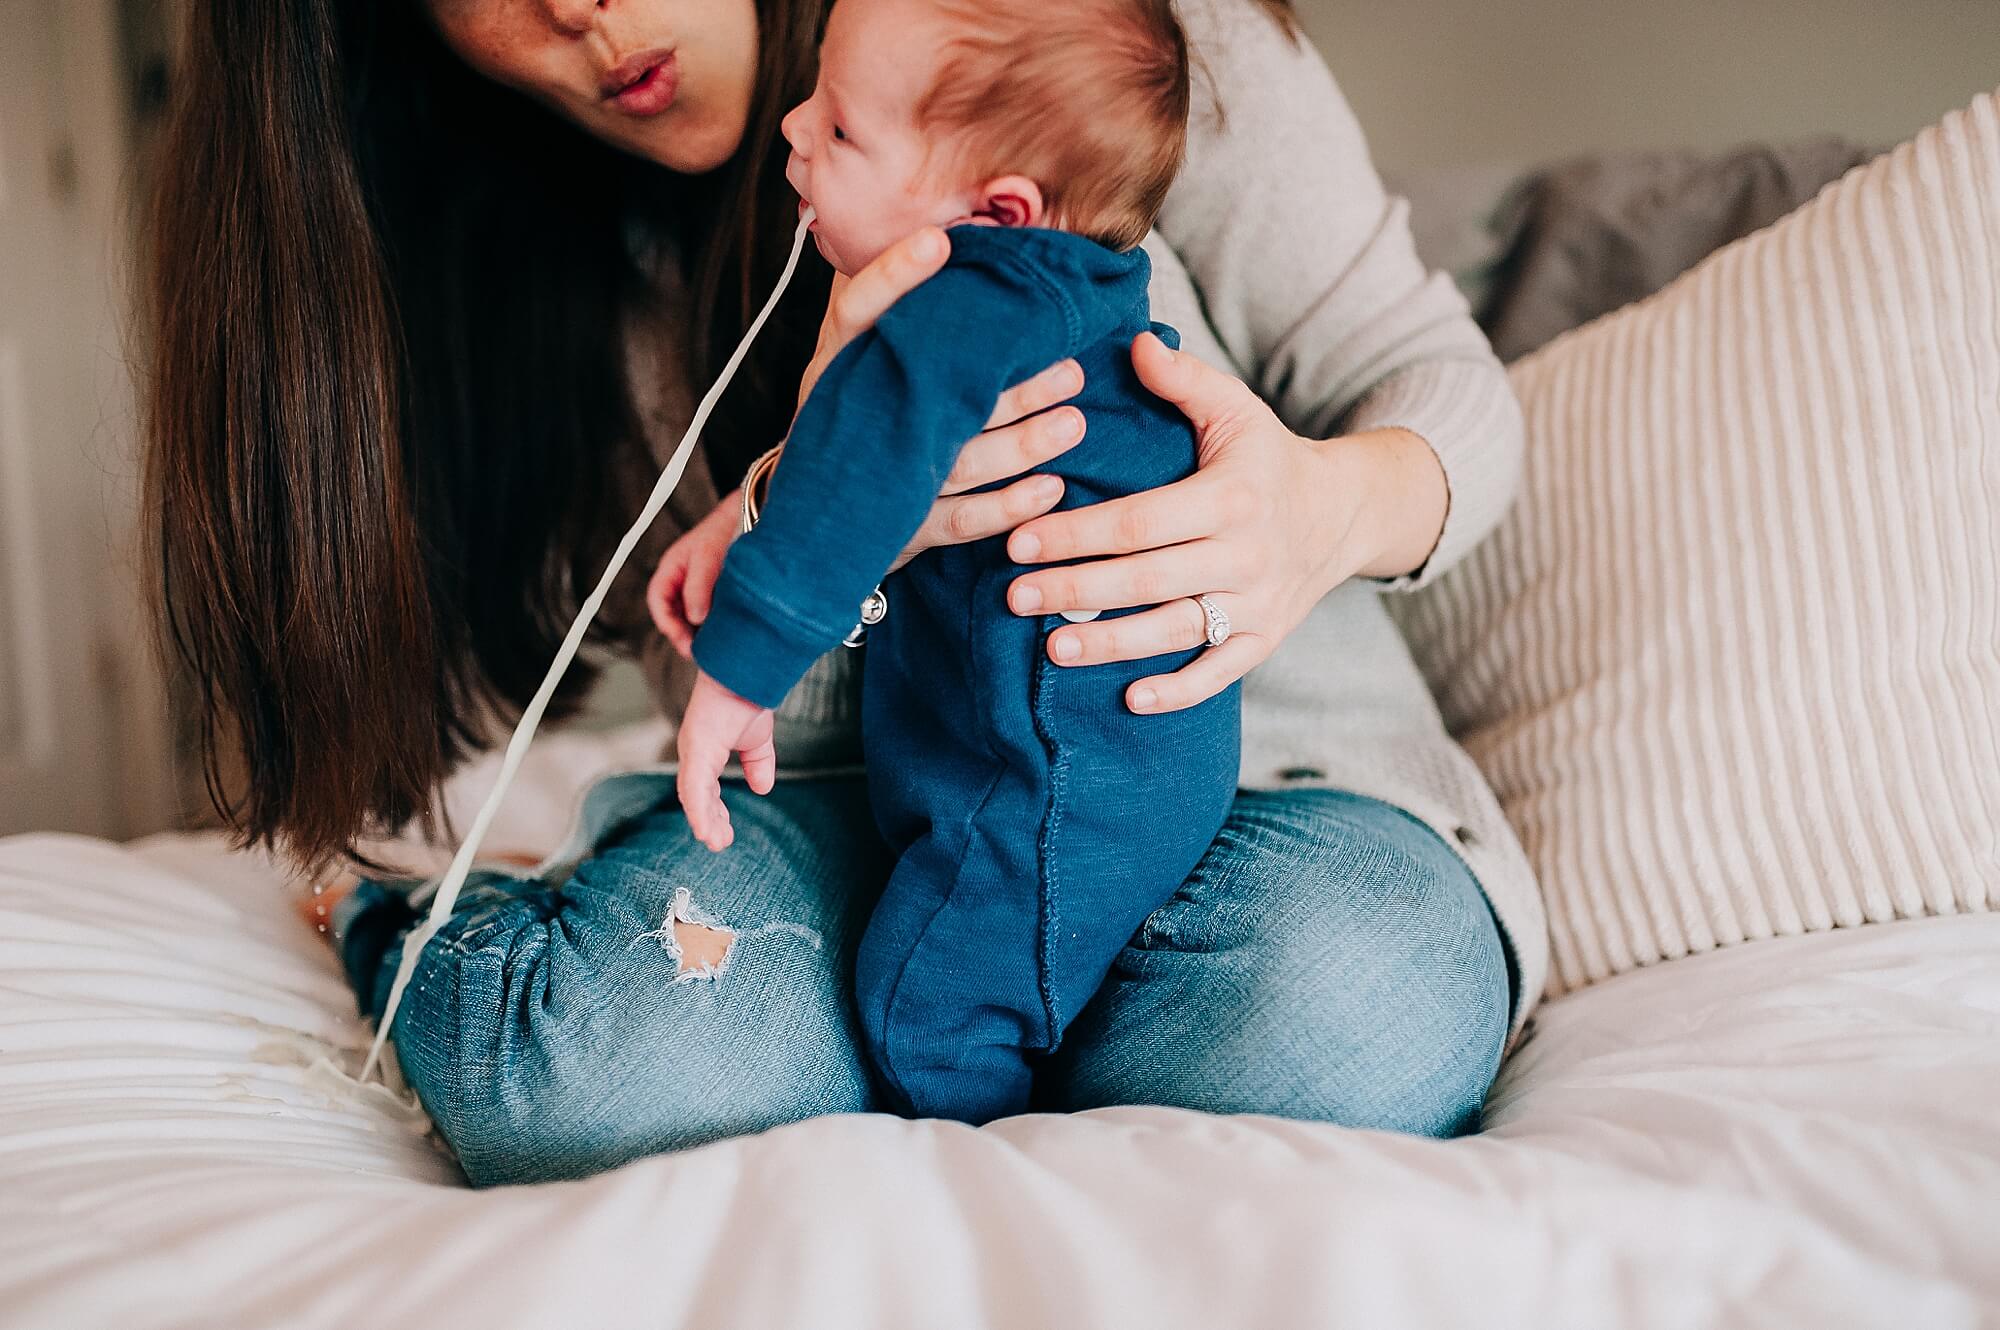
(431, 279)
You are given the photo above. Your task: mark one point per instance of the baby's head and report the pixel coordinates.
(1061, 113)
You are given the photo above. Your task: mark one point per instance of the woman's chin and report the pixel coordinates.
(683, 145)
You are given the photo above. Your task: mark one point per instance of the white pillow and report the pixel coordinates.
(1733, 663)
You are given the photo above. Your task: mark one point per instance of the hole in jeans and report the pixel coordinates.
(701, 948)
(699, 943)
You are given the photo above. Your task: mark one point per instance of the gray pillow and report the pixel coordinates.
(1597, 233)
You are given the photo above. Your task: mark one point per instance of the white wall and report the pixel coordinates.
(1444, 82)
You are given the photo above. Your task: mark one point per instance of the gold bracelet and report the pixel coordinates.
(756, 482)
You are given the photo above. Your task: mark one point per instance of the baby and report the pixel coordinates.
(1036, 821)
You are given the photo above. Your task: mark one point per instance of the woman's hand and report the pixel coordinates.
(683, 585)
(1021, 434)
(1266, 527)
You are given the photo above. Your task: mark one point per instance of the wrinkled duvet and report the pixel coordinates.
(1803, 1132)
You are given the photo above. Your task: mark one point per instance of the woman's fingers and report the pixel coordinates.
(1201, 678)
(894, 273)
(1198, 568)
(663, 594)
(1058, 383)
(1013, 449)
(1210, 399)
(704, 566)
(663, 601)
(954, 521)
(1189, 509)
(854, 303)
(1177, 625)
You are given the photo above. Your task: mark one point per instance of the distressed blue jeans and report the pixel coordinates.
(1330, 959)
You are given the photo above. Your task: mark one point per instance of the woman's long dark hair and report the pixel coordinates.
(390, 438)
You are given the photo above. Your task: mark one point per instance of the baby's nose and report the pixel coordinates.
(793, 127)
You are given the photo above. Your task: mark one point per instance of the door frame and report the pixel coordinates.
(128, 781)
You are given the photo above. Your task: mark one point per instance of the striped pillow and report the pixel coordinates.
(1733, 663)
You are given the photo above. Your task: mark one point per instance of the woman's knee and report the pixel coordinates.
(1333, 961)
(537, 1068)
(558, 1033)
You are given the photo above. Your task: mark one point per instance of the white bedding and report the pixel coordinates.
(1798, 1132)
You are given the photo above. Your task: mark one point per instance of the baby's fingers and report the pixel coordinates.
(707, 815)
(722, 833)
(760, 766)
(699, 787)
(759, 755)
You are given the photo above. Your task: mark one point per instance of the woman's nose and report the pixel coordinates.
(574, 17)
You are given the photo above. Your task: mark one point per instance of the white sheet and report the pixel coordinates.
(1802, 1132)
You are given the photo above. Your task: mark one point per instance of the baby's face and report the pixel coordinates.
(858, 156)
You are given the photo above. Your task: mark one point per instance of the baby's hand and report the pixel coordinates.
(719, 723)
(683, 586)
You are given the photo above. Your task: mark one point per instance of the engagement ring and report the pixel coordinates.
(1218, 622)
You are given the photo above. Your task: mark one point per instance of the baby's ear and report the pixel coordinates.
(1011, 200)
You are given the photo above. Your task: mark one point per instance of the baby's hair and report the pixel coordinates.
(1087, 98)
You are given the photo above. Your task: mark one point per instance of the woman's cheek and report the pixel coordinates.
(724, 86)
(483, 37)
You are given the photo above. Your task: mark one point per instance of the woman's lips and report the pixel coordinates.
(645, 84)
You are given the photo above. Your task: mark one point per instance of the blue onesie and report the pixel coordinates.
(1036, 820)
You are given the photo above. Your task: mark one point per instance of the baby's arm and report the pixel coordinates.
(866, 458)
(716, 722)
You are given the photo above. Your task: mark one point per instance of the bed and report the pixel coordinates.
(1724, 1115)
(1795, 1133)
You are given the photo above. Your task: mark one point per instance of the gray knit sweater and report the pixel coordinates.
(1280, 258)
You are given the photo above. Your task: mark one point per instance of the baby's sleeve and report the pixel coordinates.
(866, 458)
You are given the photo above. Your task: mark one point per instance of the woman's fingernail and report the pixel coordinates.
(930, 245)
(1145, 700)
(1028, 598)
(1048, 487)
(1027, 548)
(1068, 648)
